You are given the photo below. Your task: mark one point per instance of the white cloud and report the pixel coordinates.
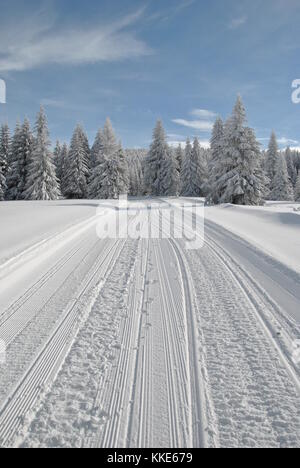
(203, 114)
(287, 141)
(236, 23)
(202, 125)
(30, 43)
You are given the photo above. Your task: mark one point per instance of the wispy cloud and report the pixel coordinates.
(172, 12)
(29, 44)
(236, 23)
(202, 125)
(287, 141)
(203, 114)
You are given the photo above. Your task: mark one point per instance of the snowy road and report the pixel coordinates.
(143, 343)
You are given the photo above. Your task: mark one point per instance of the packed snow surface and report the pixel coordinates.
(132, 341)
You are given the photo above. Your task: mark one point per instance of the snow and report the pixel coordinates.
(274, 228)
(25, 223)
(142, 342)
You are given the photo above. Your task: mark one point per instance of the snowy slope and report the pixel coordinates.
(23, 224)
(274, 229)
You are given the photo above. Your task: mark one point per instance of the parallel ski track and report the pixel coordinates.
(257, 296)
(12, 322)
(117, 399)
(48, 361)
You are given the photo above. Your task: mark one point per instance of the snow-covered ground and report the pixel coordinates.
(274, 228)
(142, 342)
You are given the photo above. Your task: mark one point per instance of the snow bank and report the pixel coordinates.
(22, 224)
(274, 228)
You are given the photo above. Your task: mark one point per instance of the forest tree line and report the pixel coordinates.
(233, 170)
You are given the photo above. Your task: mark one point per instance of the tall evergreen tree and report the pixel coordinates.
(13, 174)
(61, 168)
(155, 161)
(171, 176)
(282, 186)
(297, 188)
(179, 154)
(96, 148)
(77, 168)
(292, 171)
(243, 181)
(110, 176)
(5, 143)
(2, 185)
(24, 157)
(271, 160)
(186, 176)
(216, 168)
(42, 183)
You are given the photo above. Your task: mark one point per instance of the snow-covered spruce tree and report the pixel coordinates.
(76, 168)
(61, 167)
(282, 186)
(243, 181)
(171, 176)
(186, 176)
(110, 176)
(13, 175)
(297, 189)
(2, 185)
(5, 143)
(42, 183)
(96, 148)
(291, 167)
(216, 168)
(24, 157)
(154, 162)
(85, 144)
(56, 156)
(179, 154)
(194, 171)
(271, 160)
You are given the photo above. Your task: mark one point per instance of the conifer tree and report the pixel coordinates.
(42, 183)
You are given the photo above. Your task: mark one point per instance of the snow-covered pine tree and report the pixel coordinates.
(96, 148)
(85, 144)
(243, 181)
(13, 175)
(56, 156)
(282, 185)
(5, 143)
(271, 160)
(62, 167)
(186, 176)
(155, 160)
(77, 168)
(194, 170)
(171, 176)
(179, 154)
(297, 189)
(2, 185)
(292, 171)
(201, 174)
(24, 157)
(216, 168)
(42, 183)
(110, 177)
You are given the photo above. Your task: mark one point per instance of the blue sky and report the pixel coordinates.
(180, 60)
